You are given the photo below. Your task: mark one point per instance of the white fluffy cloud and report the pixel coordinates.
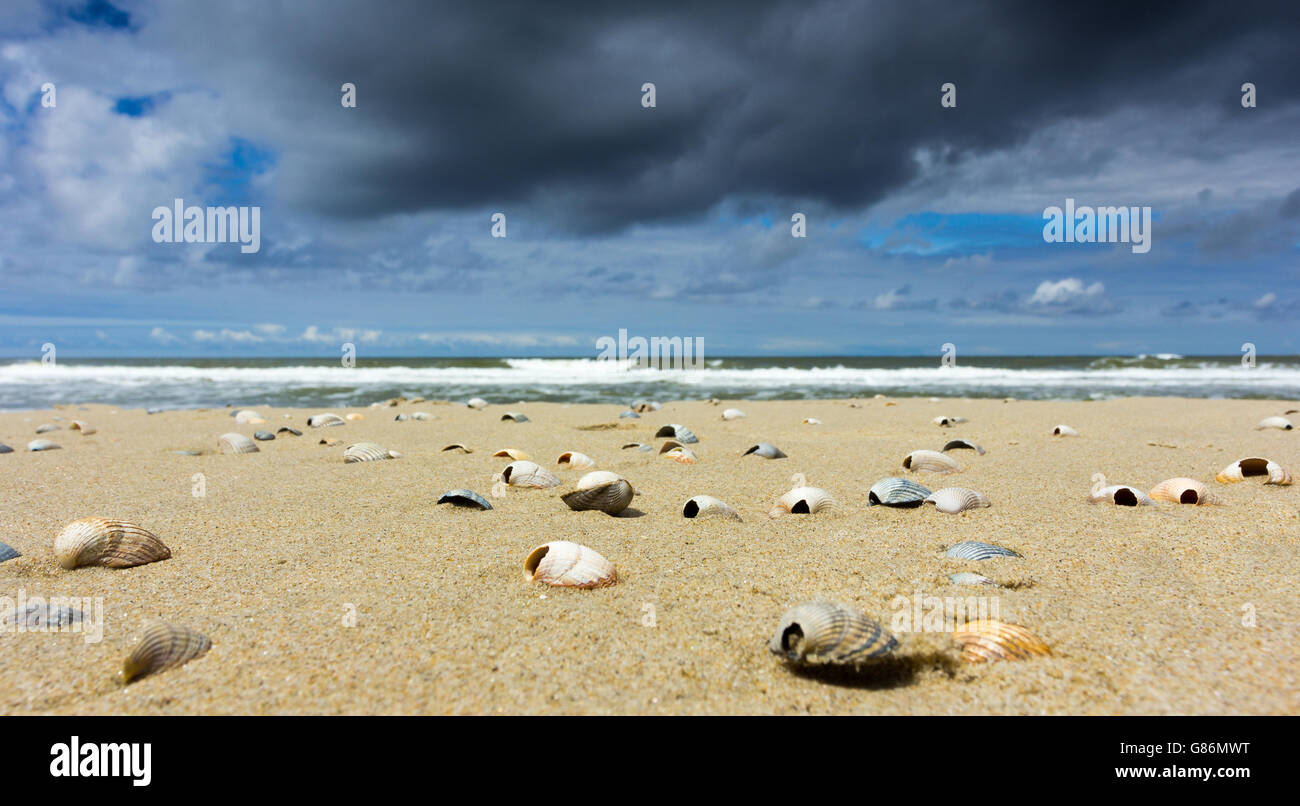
(1069, 291)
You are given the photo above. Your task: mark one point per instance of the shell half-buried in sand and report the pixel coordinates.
(803, 501)
(600, 490)
(947, 422)
(456, 446)
(464, 498)
(8, 552)
(1280, 423)
(1182, 491)
(529, 474)
(84, 427)
(953, 500)
(963, 445)
(766, 450)
(930, 462)
(569, 565)
(236, 443)
(1255, 468)
(107, 542)
(826, 633)
(897, 492)
(515, 417)
(43, 445)
(975, 550)
(325, 420)
(575, 461)
(681, 455)
(989, 639)
(678, 432)
(1120, 495)
(511, 453)
(1064, 431)
(706, 506)
(367, 452)
(163, 646)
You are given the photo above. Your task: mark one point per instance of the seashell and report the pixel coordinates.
(679, 454)
(766, 450)
(1122, 495)
(367, 452)
(956, 499)
(963, 445)
(163, 646)
(291, 431)
(515, 417)
(107, 542)
(639, 446)
(402, 418)
(188, 453)
(513, 453)
(1275, 422)
(5, 448)
(642, 406)
(804, 501)
(890, 403)
(1182, 491)
(248, 416)
(44, 616)
(422, 416)
(264, 436)
(352, 415)
(325, 420)
(153, 411)
(827, 633)
(456, 446)
(1254, 467)
(330, 441)
(529, 474)
(575, 461)
(706, 506)
(629, 415)
(46, 428)
(988, 639)
(602, 490)
(464, 498)
(931, 461)
(968, 578)
(975, 550)
(477, 403)
(84, 427)
(669, 445)
(811, 421)
(43, 445)
(1064, 431)
(236, 443)
(678, 432)
(569, 565)
(8, 552)
(897, 492)
(733, 414)
(947, 422)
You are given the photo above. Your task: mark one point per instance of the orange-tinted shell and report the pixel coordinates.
(988, 639)
(1182, 491)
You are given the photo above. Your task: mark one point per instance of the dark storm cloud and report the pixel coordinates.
(510, 104)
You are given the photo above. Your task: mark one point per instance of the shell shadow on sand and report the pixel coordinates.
(886, 672)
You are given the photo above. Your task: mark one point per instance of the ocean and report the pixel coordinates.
(321, 383)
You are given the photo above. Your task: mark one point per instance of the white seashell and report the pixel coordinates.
(947, 422)
(456, 446)
(512, 453)
(46, 428)
(766, 450)
(803, 501)
(529, 474)
(84, 427)
(680, 454)
(367, 452)
(477, 403)
(515, 416)
(1255, 467)
(325, 420)
(970, 578)
(811, 421)
(236, 443)
(569, 565)
(1275, 422)
(706, 506)
(1122, 495)
(956, 499)
(247, 417)
(42, 445)
(1064, 431)
(963, 444)
(930, 461)
(422, 415)
(575, 461)
(678, 432)
(733, 414)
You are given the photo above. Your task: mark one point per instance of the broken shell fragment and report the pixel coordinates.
(963, 445)
(515, 416)
(803, 501)
(477, 403)
(456, 446)
(601, 490)
(897, 492)
(43, 445)
(953, 500)
(529, 474)
(766, 450)
(575, 461)
(733, 414)
(8, 552)
(236, 443)
(989, 639)
(1275, 422)
(1064, 431)
(569, 565)
(1121, 495)
(679, 454)
(826, 633)
(325, 420)
(367, 452)
(706, 506)
(1255, 467)
(1182, 491)
(975, 550)
(84, 427)
(511, 453)
(107, 542)
(678, 432)
(464, 498)
(930, 461)
(163, 646)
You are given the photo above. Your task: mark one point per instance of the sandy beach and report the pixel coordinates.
(1147, 610)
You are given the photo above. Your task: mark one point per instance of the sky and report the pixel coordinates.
(924, 223)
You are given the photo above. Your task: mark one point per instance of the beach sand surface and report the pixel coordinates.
(333, 588)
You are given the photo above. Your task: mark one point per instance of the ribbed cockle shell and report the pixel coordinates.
(956, 499)
(575, 461)
(1182, 491)
(803, 501)
(1122, 495)
(236, 443)
(826, 633)
(601, 490)
(706, 506)
(1252, 468)
(930, 461)
(569, 565)
(107, 542)
(163, 646)
(529, 474)
(988, 639)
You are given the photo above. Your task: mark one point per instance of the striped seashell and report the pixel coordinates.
(107, 542)
(766, 450)
(264, 436)
(1064, 431)
(679, 454)
(930, 461)
(569, 565)
(477, 403)
(163, 646)
(367, 452)
(642, 406)
(975, 550)
(528, 474)
(354, 416)
(43, 445)
(515, 416)
(44, 616)
(803, 501)
(325, 420)
(456, 446)
(947, 422)
(46, 428)
(1281, 423)
(600, 490)
(969, 578)
(8, 552)
(811, 421)
(963, 445)
(236, 443)
(1254, 467)
(84, 427)
(464, 498)
(1182, 491)
(733, 414)
(988, 639)
(706, 506)
(1122, 495)
(511, 453)
(956, 499)
(248, 416)
(678, 432)
(897, 492)
(293, 432)
(629, 415)
(575, 461)
(826, 633)
(640, 446)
